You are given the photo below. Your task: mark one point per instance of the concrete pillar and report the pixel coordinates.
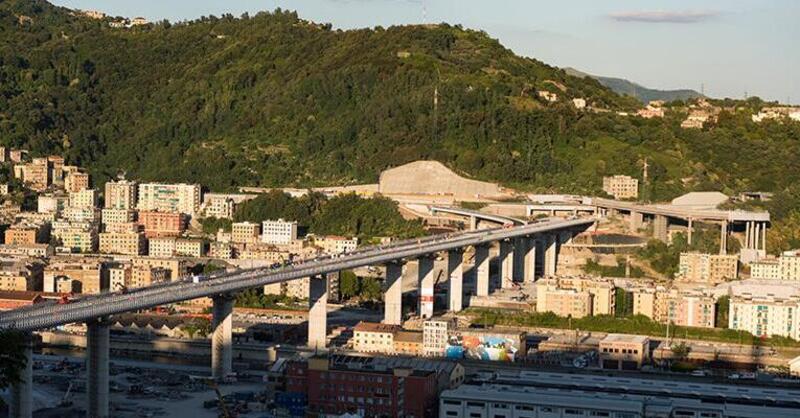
(723, 238)
(482, 270)
(550, 256)
(425, 276)
(748, 236)
(21, 400)
(690, 229)
(97, 351)
(661, 228)
(636, 221)
(757, 237)
(318, 312)
(506, 270)
(455, 272)
(520, 248)
(473, 223)
(530, 260)
(222, 336)
(393, 294)
(764, 239)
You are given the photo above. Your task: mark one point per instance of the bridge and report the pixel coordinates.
(520, 249)
(475, 216)
(753, 224)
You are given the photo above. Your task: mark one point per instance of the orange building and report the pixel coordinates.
(162, 224)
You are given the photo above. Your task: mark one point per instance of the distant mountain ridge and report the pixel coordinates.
(629, 88)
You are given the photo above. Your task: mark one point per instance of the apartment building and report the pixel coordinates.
(84, 275)
(162, 224)
(121, 194)
(691, 309)
(76, 181)
(371, 337)
(35, 175)
(20, 276)
(175, 198)
(245, 232)
(765, 315)
(334, 244)
(621, 187)
(86, 198)
(784, 267)
(223, 205)
(76, 236)
(222, 250)
(29, 250)
(170, 247)
(82, 214)
(278, 232)
(26, 234)
(575, 297)
(177, 268)
(51, 203)
(711, 269)
(142, 276)
(434, 338)
(126, 243)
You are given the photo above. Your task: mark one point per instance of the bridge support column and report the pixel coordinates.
(520, 249)
(506, 270)
(97, 351)
(482, 270)
(550, 256)
(764, 241)
(455, 272)
(530, 260)
(690, 230)
(21, 400)
(318, 312)
(636, 221)
(393, 294)
(222, 336)
(473, 223)
(723, 238)
(661, 228)
(425, 276)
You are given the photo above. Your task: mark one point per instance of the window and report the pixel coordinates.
(449, 402)
(452, 413)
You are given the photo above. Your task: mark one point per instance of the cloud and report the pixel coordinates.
(664, 17)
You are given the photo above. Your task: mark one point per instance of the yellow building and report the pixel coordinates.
(245, 232)
(127, 243)
(623, 352)
(576, 296)
(370, 337)
(621, 187)
(708, 268)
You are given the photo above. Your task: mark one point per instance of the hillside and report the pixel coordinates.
(272, 100)
(637, 91)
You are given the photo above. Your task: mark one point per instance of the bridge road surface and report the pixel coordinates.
(53, 314)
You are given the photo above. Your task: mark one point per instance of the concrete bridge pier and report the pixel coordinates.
(97, 352)
(636, 220)
(425, 276)
(21, 399)
(473, 223)
(222, 336)
(393, 294)
(690, 230)
(661, 228)
(550, 255)
(506, 271)
(481, 270)
(530, 260)
(455, 272)
(723, 238)
(520, 249)
(318, 312)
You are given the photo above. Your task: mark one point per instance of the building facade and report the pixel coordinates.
(708, 268)
(278, 232)
(621, 187)
(122, 194)
(173, 198)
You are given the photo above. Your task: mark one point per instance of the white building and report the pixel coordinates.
(172, 198)
(121, 194)
(434, 338)
(333, 244)
(765, 315)
(278, 232)
(86, 198)
(785, 267)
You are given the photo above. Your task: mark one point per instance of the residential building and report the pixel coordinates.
(4, 154)
(223, 205)
(51, 203)
(651, 111)
(16, 299)
(177, 268)
(17, 155)
(562, 302)
(171, 247)
(278, 232)
(334, 244)
(765, 315)
(766, 268)
(371, 337)
(602, 290)
(127, 243)
(35, 175)
(245, 232)
(76, 181)
(20, 276)
(76, 236)
(112, 216)
(579, 103)
(408, 343)
(4, 189)
(547, 96)
(708, 268)
(119, 276)
(434, 338)
(530, 394)
(327, 387)
(139, 21)
(142, 276)
(222, 250)
(121, 194)
(25, 234)
(185, 247)
(623, 352)
(26, 250)
(174, 198)
(82, 275)
(162, 224)
(298, 288)
(621, 187)
(86, 214)
(86, 198)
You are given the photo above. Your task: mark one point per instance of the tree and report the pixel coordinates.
(680, 350)
(12, 357)
(348, 284)
(721, 317)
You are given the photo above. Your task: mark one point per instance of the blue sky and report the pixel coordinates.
(733, 47)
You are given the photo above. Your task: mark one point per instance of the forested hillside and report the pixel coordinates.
(273, 100)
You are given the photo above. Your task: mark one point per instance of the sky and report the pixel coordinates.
(729, 48)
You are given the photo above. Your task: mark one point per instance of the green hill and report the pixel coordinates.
(643, 94)
(272, 99)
